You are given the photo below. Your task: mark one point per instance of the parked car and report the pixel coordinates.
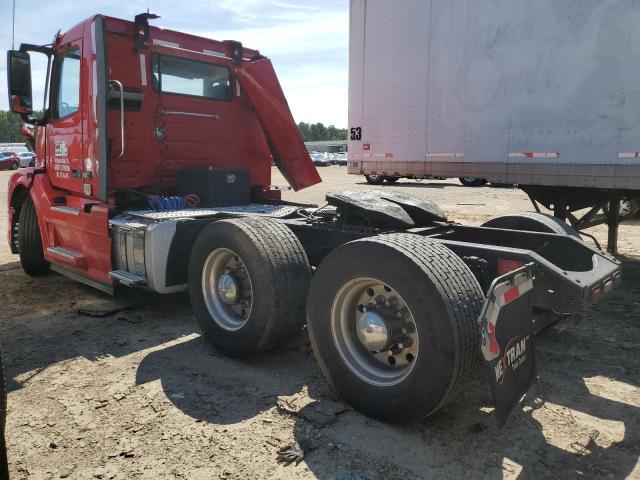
(27, 159)
(320, 159)
(9, 161)
(340, 158)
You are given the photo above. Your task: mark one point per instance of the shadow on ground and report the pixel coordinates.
(461, 441)
(45, 328)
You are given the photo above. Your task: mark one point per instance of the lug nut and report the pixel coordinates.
(406, 342)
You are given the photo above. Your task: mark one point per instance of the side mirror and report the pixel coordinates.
(19, 72)
(27, 130)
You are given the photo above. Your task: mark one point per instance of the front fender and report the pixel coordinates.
(17, 191)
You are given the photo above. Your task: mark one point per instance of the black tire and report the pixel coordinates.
(279, 273)
(445, 301)
(15, 166)
(30, 241)
(472, 181)
(533, 222)
(391, 179)
(374, 179)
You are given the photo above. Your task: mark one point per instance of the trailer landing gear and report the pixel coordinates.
(603, 205)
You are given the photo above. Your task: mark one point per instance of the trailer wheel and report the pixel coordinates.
(533, 222)
(472, 181)
(392, 179)
(375, 179)
(248, 282)
(30, 241)
(397, 337)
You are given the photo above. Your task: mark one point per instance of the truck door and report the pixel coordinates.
(64, 131)
(195, 107)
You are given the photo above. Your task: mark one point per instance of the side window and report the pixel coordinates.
(190, 77)
(68, 97)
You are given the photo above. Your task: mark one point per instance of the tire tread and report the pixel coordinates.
(30, 241)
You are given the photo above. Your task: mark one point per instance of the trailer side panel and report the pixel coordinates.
(514, 91)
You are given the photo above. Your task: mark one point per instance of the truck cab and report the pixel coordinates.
(130, 106)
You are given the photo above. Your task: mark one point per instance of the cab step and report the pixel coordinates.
(71, 257)
(127, 278)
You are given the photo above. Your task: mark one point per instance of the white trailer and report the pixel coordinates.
(542, 94)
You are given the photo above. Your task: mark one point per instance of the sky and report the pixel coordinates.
(307, 41)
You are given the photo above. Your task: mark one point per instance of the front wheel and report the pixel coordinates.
(398, 337)
(248, 281)
(30, 241)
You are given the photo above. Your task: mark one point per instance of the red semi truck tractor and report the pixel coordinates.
(153, 170)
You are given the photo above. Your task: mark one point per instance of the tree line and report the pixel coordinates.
(10, 127)
(313, 132)
(10, 130)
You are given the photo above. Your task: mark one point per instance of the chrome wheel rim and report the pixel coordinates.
(374, 178)
(226, 288)
(374, 332)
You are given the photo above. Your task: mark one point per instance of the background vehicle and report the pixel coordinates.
(9, 161)
(320, 159)
(535, 111)
(340, 158)
(27, 159)
(159, 177)
(14, 147)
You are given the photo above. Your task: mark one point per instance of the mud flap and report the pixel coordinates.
(507, 339)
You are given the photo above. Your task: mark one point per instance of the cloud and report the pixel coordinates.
(306, 40)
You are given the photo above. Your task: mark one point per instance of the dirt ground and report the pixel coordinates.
(140, 394)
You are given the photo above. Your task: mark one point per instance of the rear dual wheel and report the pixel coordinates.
(396, 337)
(248, 282)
